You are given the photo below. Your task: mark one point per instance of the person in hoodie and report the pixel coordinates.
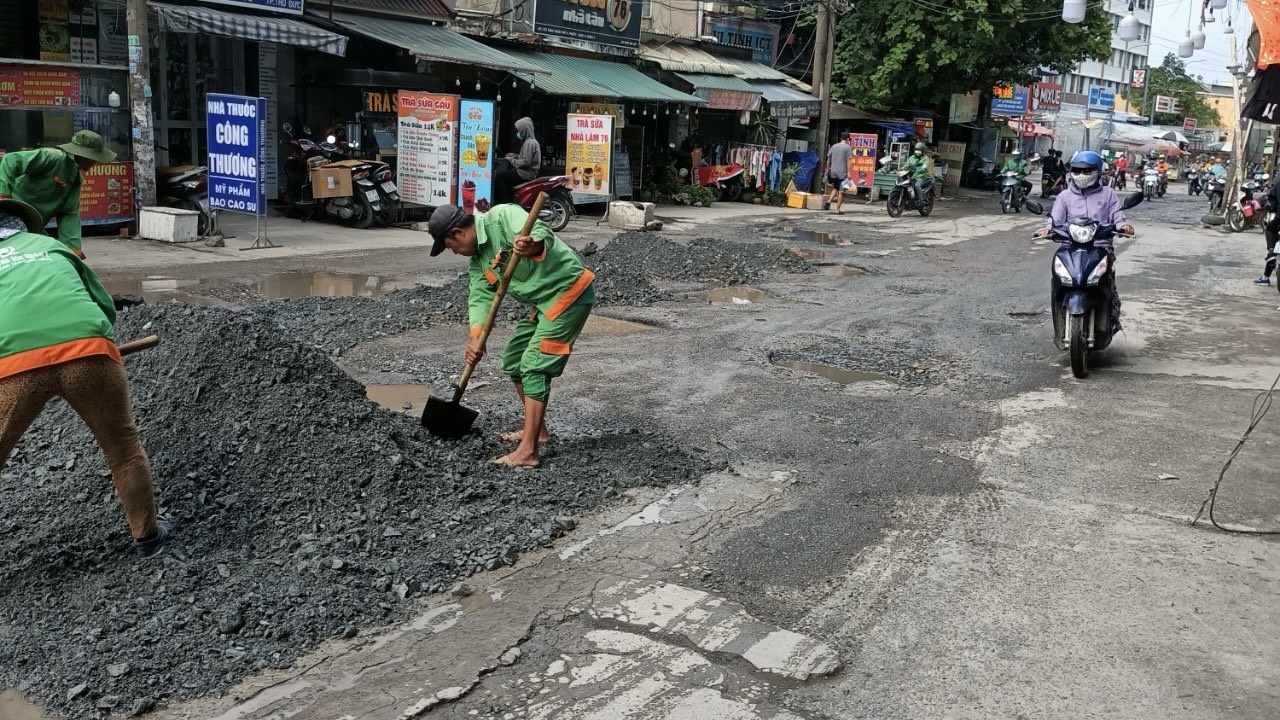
(524, 166)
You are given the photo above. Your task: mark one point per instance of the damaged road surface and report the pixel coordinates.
(805, 496)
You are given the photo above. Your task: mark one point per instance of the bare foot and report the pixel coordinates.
(516, 436)
(518, 460)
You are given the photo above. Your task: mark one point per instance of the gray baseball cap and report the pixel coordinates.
(444, 219)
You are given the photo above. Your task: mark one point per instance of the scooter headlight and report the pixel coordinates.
(1060, 270)
(1083, 234)
(1095, 277)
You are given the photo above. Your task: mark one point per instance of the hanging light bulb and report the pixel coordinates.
(457, 82)
(645, 112)
(1229, 30)
(1217, 4)
(513, 83)
(477, 86)
(633, 109)
(1130, 29)
(499, 98)
(1210, 18)
(1073, 11)
(668, 109)
(1198, 39)
(1186, 46)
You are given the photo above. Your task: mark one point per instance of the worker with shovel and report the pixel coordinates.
(548, 276)
(56, 339)
(49, 180)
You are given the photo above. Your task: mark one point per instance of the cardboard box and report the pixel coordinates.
(333, 180)
(805, 201)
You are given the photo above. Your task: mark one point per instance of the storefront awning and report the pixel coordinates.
(287, 31)
(674, 57)
(582, 77)
(1031, 129)
(418, 10)
(841, 111)
(748, 70)
(723, 92)
(434, 42)
(786, 101)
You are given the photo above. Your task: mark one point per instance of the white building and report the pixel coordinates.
(1116, 73)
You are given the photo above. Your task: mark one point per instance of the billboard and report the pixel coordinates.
(760, 37)
(237, 132)
(1046, 97)
(605, 22)
(1101, 98)
(1007, 99)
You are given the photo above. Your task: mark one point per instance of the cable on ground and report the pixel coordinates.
(1261, 404)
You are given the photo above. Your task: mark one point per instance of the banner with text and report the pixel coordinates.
(39, 87)
(475, 156)
(106, 194)
(587, 153)
(237, 132)
(862, 161)
(951, 156)
(428, 136)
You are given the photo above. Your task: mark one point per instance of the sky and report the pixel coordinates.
(1169, 25)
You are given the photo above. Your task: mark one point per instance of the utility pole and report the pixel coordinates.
(1242, 131)
(823, 50)
(141, 119)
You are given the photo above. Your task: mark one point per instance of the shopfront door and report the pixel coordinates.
(188, 66)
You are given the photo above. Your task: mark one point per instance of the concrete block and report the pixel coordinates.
(169, 224)
(627, 215)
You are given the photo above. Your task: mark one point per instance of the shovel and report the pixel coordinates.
(449, 419)
(142, 343)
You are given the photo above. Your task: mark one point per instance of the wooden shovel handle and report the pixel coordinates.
(143, 343)
(499, 295)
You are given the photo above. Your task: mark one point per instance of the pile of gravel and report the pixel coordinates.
(301, 511)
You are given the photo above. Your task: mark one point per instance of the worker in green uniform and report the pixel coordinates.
(550, 278)
(56, 340)
(49, 179)
(919, 169)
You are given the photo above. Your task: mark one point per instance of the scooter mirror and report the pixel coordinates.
(1034, 207)
(287, 127)
(1132, 200)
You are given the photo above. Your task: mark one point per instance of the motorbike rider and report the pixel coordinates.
(1122, 168)
(1087, 197)
(918, 168)
(524, 166)
(1271, 232)
(1052, 169)
(1162, 167)
(1022, 168)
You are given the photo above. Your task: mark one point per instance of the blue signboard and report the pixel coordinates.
(475, 155)
(1101, 98)
(1009, 99)
(292, 7)
(237, 132)
(761, 38)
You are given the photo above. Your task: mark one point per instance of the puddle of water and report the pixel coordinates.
(600, 325)
(13, 707)
(279, 286)
(396, 397)
(738, 292)
(840, 375)
(821, 238)
(841, 270)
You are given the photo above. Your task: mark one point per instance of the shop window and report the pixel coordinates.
(646, 8)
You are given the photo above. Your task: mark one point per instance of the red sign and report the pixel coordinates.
(1139, 78)
(862, 162)
(106, 195)
(1046, 97)
(730, 99)
(1189, 125)
(39, 87)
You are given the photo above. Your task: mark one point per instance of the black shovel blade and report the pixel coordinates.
(449, 420)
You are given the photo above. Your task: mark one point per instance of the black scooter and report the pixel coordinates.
(1082, 287)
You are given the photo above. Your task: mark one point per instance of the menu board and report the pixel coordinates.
(475, 156)
(106, 194)
(951, 157)
(39, 87)
(587, 148)
(428, 128)
(862, 161)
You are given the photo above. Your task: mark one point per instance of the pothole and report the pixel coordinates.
(841, 270)
(840, 375)
(821, 238)
(734, 294)
(601, 325)
(406, 398)
(14, 707)
(277, 286)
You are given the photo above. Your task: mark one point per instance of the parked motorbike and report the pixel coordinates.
(903, 196)
(1011, 192)
(369, 179)
(558, 208)
(1082, 288)
(1150, 183)
(1251, 209)
(983, 174)
(726, 181)
(1050, 187)
(187, 187)
(1194, 186)
(1215, 189)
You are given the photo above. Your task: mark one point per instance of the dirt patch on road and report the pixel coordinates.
(302, 512)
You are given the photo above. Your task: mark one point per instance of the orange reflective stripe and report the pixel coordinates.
(58, 354)
(490, 277)
(477, 330)
(571, 295)
(554, 347)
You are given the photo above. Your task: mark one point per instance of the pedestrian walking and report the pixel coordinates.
(56, 340)
(837, 172)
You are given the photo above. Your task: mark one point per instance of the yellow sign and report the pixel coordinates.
(587, 152)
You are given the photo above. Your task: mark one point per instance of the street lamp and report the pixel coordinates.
(1198, 39)
(1073, 11)
(1186, 46)
(1217, 4)
(1229, 30)
(1130, 29)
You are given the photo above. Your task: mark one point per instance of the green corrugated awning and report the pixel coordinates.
(717, 82)
(434, 42)
(582, 77)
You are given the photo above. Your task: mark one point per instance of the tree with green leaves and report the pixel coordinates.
(912, 53)
(1170, 78)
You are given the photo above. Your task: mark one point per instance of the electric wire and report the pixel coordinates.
(1261, 404)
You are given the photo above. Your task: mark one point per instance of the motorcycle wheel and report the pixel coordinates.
(1215, 202)
(717, 192)
(926, 206)
(1079, 350)
(560, 213)
(1004, 202)
(894, 205)
(364, 215)
(1235, 219)
(732, 193)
